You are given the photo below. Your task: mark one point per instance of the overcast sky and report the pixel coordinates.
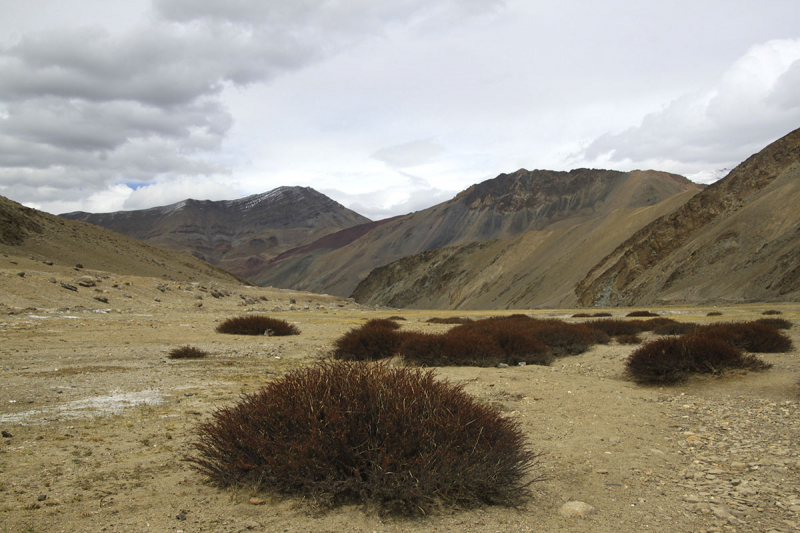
(388, 106)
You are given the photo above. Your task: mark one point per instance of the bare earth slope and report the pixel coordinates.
(737, 241)
(52, 242)
(503, 207)
(536, 269)
(236, 235)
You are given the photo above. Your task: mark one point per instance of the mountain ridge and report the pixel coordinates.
(228, 233)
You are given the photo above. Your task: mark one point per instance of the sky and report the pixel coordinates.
(386, 106)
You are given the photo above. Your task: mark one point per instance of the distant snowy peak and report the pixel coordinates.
(281, 195)
(709, 176)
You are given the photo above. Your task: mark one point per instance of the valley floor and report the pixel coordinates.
(99, 420)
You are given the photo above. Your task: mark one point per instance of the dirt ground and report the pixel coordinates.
(99, 419)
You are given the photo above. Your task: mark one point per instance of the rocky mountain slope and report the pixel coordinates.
(234, 234)
(55, 243)
(536, 269)
(504, 207)
(737, 241)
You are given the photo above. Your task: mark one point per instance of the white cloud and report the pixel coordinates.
(750, 106)
(413, 194)
(410, 154)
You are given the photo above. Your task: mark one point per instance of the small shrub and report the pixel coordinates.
(341, 432)
(628, 339)
(654, 323)
(257, 325)
(673, 359)
(613, 327)
(676, 328)
(564, 338)
(382, 323)
(642, 314)
(376, 339)
(581, 315)
(714, 313)
(480, 343)
(451, 320)
(187, 352)
(777, 323)
(396, 318)
(772, 312)
(749, 336)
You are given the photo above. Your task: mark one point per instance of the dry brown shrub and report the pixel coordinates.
(187, 352)
(450, 320)
(376, 339)
(257, 325)
(394, 438)
(749, 336)
(673, 359)
(642, 314)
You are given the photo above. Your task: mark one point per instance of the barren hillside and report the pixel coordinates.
(504, 207)
(537, 269)
(737, 241)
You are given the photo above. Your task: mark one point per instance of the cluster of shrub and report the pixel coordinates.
(501, 340)
(354, 431)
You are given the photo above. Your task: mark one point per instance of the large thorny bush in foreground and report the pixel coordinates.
(355, 432)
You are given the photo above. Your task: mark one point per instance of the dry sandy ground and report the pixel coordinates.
(100, 419)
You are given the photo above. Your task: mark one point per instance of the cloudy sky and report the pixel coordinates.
(387, 106)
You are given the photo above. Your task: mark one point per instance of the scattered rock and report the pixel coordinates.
(21, 274)
(42, 497)
(87, 281)
(101, 299)
(182, 514)
(502, 365)
(69, 287)
(160, 288)
(576, 509)
(257, 501)
(79, 265)
(6, 434)
(52, 280)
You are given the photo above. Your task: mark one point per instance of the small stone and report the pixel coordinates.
(182, 514)
(79, 265)
(101, 299)
(723, 514)
(6, 434)
(502, 365)
(42, 497)
(21, 274)
(257, 501)
(156, 299)
(52, 280)
(160, 288)
(576, 509)
(69, 287)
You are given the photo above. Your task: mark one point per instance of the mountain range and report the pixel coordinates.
(233, 234)
(526, 239)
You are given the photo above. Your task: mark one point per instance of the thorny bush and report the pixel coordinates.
(672, 359)
(257, 325)
(187, 352)
(378, 338)
(352, 432)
